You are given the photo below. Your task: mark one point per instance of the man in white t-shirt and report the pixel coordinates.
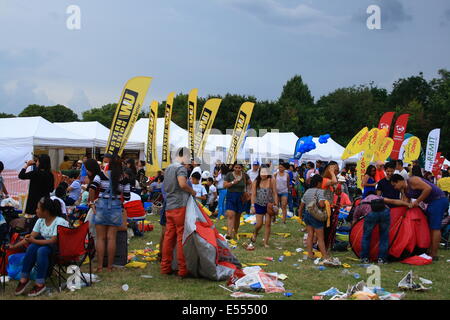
(399, 169)
(254, 171)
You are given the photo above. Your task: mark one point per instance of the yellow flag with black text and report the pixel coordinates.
(192, 117)
(240, 128)
(166, 138)
(205, 123)
(127, 112)
(151, 164)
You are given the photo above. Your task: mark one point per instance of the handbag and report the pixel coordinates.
(246, 197)
(377, 205)
(317, 212)
(270, 210)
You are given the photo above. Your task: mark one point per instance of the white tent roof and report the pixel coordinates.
(18, 136)
(96, 132)
(326, 152)
(272, 145)
(41, 132)
(178, 137)
(217, 140)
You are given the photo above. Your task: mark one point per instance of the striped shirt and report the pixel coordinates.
(101, 184)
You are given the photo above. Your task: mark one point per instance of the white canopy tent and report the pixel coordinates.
(18, 137)
(330, 151)
(178, 137)
(272, 145)
(97, 133)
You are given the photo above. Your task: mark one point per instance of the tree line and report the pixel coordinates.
(340, 113)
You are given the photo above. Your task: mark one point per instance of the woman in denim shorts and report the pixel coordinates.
(112, 188)
(236, 183)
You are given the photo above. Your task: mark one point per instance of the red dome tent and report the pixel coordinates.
(408, 234)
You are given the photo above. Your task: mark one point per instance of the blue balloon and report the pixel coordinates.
(324, 138)
(303, 145)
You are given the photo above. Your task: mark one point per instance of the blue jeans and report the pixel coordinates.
(383, 219)
(221, 206)
(290, 202)
(39, 256)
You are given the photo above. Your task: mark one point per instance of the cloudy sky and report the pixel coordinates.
(219, 46)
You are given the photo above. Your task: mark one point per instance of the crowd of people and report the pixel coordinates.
(308, 190)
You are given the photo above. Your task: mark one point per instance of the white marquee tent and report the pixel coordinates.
(178, 136)
(327, 152)
(96, 132)
(18, 137)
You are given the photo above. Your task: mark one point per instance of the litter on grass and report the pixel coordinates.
(255, 279)
(282, 276)
(245, 295)
(407, 283)
(136, 264)
(359, 291)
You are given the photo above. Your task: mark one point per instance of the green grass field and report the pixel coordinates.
(303, 280)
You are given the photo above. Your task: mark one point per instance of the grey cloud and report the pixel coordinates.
(301, 17)
(79, 101)
(15, 99)
(446, 18)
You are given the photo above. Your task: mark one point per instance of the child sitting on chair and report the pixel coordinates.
(42, 242)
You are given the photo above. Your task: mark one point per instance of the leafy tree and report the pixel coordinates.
(345, 111)
(439, 109)
(406, 90)
(296, 91)
(294, 107)
(57, 113)
(104, 114)
(6, 115)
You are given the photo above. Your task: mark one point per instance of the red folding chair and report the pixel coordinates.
(74, 246)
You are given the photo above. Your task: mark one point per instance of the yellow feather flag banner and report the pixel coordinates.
(412, 150)
(384, 150)
(127, 112)
(354, 146)
(371, 144)
(205, 123)
(192, 116)
(361, 167)
(382, 133)
(242, 121)
(151, 165)
(166, 138)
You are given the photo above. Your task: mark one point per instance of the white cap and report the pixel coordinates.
(206, 175)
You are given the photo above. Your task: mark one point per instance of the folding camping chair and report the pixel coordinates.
(157, 198)
(74, 246)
